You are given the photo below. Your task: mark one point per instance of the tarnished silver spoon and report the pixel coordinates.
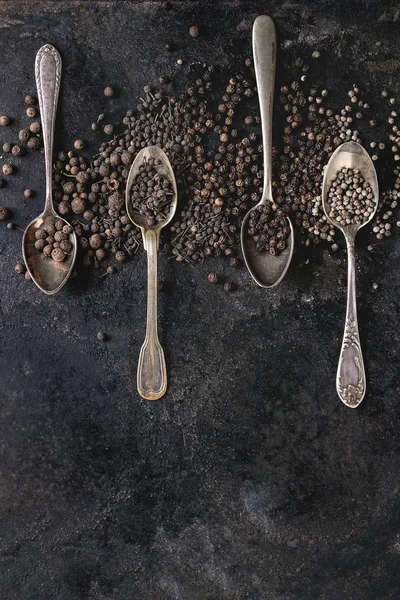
(266, 270)
(152, 371)
(48, 274)
(350, 378)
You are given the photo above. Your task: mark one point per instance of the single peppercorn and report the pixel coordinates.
(33, 143)
(109, 91)
(213, 278)
(3, 213)
(24, 135)
(109, 129)
(194, 31)
(29, 99)
(120, 256)
(7, 147)
(79, 145)
(229, 286)
(28, 193)
(101, 336)
(8, 169)
(17, 150)
(35, 127)
(4, 120)
(31, 113)
(20, 268)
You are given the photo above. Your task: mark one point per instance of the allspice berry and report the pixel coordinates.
(3, 213)
(29, 99)
(194, 31)
(109, 91)
(58, 255)
(33, 143)
(78, 206)
(24, 135)
(8, 169)
(96, 241)
(28, 193)
(109, 129)
(79, 145)
(120, 256)
(30, 112)
(4, 120)
(35, 127)
(17, 150)
(20, 268)
(213, 278)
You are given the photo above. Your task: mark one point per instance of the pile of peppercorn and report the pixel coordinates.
(151, 193)
(52, 239)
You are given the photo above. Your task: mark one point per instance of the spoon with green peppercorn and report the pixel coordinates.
(350, 198)
(49, 242)
(267, 266)
(151, 200)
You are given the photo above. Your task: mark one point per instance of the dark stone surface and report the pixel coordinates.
(250, 479)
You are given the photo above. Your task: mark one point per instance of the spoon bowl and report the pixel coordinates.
(352, 156)
(47, 274)
(266, 269)
(152, 371)
(350, 377)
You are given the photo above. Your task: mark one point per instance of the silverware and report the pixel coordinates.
(152, 372)
(350, 379)
(266, 270)
(48, 274)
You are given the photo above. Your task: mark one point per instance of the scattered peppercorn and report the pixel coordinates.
(17, 150)
(28, 193)
(213, 278)
(8, 169)
(109, 129)
(20, 268)
(101, 336)
(79, 145)
(229, 286)
(3, 213)
(31, 113)
(109, 91)
(24, 135)
(4, 121)
(194, 31)
(29, 99)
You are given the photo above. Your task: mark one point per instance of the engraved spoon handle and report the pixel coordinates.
(350, 379)
(264, 52)
(48, 75)
(152, 372)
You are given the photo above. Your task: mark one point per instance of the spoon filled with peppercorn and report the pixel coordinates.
(267, 234)
(350, 198)
(151, 200)
(49, 242)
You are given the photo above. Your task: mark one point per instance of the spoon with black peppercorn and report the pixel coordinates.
(151, 200)
(350, 198)
(49, 242)
(267, 267)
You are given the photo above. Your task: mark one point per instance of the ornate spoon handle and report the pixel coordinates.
(350, 379)
(48, 75)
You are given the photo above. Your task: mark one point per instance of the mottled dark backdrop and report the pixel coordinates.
(250, 479)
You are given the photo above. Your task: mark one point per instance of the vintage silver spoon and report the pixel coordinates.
(48, 274)
(152, 372)
(266, 270)
(350, 378)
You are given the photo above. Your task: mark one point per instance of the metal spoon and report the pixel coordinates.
(152, 372)
(48, 274)
(350, 378)
(266, 270)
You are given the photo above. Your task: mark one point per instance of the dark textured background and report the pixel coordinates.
(250, 479)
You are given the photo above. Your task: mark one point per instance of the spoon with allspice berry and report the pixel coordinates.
(49, 242)
(350, 198)
(267, 234)
(151, 200)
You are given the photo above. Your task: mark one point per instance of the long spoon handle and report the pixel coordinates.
(264, 52)
(152, 372)
(48, 75)
(350, 379)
